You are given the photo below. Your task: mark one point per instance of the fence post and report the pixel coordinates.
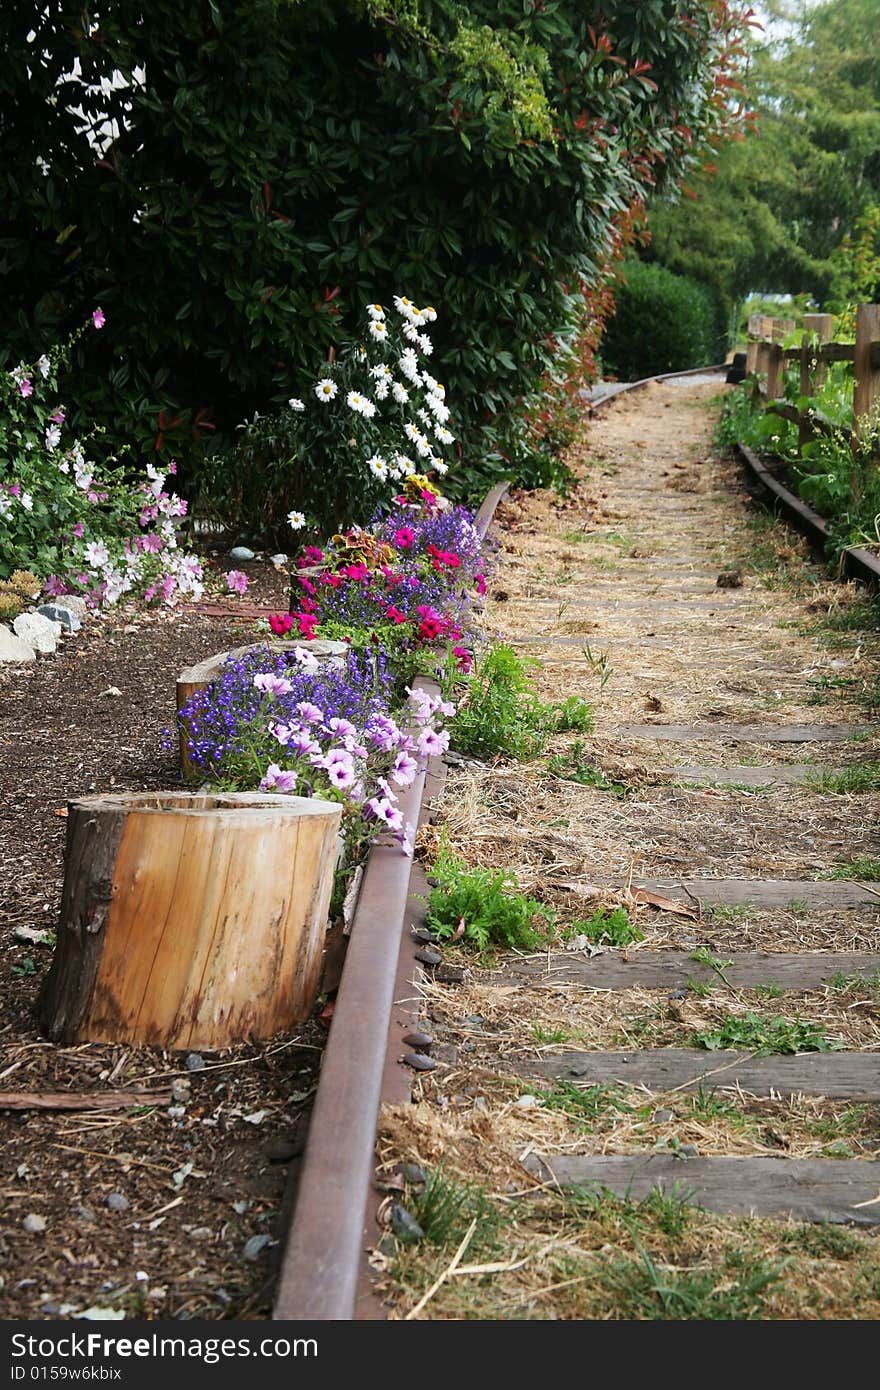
(866, 363)
(762, 357)
(754, 330)
(774, 360)
(818, 327)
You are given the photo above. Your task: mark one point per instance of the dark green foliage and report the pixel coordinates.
(486, 903)
(663, 323)
(275, 166)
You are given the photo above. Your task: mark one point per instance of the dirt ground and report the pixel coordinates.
(615, 592)
(165, 1211)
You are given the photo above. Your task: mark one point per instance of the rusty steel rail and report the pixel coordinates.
(322, 1260)
(856, 562)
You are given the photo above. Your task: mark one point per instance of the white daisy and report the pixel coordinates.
(376, 312)
(355, 401)
(430, 313)
(410, 332)
(381, 372)
(378, 330)
(409, 365)
(326, 389)
(444, 435)
(378, 467)
(439, 466)
(400, 393)
(423, 446)
(411, 432)
(404, 306)
(296, 520)
(425, 344)
(382, 389)
(295, 404)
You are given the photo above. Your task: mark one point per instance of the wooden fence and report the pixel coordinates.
(766, 358)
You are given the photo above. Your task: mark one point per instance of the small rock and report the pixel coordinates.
(38, 632)
(680, 993)
(241, 552)
(279, 561)
(419, 1062)
(61, 613)
(283, 1150)
(116, 1201)
(404, 1224)
(414, 1174)
(427, 957)
(662, 1117)
(449, 974)
(730, 579)
(480, 1103)
(112, 690)
(689, 1150)
(528, 1103)
(32, 937)
(419, 1041)
(181, 1089)
(475, 1021)
(201, 1233)
(86, 1214)
(577, 943)
(256, 1117)
(12, 648)
(254, 1247)
(33, 1224)
(194, 1061)
(176, 1112)
(422, 934)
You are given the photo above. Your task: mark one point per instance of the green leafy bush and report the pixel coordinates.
(662, 323)
(502, 716)
(232, 182)
(610, 926)
(484, 908)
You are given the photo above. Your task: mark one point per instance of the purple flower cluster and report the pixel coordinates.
(226, 722)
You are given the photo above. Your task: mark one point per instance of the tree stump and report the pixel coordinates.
(189, 920)
(194, 679)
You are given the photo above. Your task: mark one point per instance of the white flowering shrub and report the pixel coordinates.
(80, 526)
(328, 460)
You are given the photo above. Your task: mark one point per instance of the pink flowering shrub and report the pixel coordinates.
(82, 527)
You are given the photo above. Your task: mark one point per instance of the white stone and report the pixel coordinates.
(12, 648)
(40, 633)
(61, 612)
(241, 552)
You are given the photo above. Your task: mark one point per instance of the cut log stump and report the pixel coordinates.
(194, 680)
(190, 920)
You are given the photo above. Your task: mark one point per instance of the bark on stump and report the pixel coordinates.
(189, 920)
(196, 679)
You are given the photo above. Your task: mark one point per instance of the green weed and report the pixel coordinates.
(762, 1035)
(484, 908)
(608, 926)
(864, 777)
(573, 767)
(866, 870)
(502, 716)
(585, 1104)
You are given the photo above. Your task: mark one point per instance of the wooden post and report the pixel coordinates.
(762, 360)
(196, 679)
(190, 921)
(817, 329)
(774, 362)
(755, 332)
(866, 367)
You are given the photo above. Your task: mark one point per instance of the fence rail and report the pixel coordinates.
(766, 358)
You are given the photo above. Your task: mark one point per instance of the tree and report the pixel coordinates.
(231, 183)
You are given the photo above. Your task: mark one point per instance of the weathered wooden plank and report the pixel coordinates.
(764, 893)
(747, 733)
(671, 969)
(836, 1075)
(806, 1189)
(81, 1100)
(787, 774)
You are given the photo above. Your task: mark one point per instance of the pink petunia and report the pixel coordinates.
(278, 779)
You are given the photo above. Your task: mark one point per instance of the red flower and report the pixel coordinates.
(280, 623)
(395, 614)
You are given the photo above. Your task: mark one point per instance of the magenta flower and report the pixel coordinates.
(383, 811)
(236, 582)
(309, 712)
(25, 387)
(98, 319)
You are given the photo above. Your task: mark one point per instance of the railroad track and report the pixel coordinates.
(324, 1271)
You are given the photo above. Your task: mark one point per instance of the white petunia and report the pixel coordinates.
(296, 520)
(326, 389)
(44, 366)
(295, 403)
